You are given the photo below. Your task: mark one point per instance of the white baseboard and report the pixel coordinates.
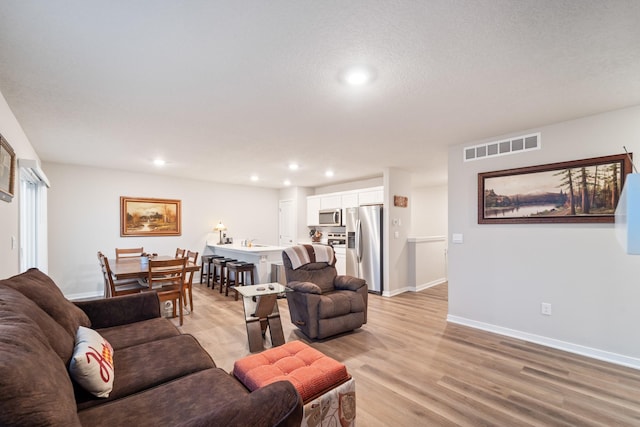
(395, 292)
(429, 284)
(414, 289)
(606, 356)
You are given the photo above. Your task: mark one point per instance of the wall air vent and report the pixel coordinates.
(503, 147)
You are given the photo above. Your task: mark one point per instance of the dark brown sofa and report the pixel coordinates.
(161, 377)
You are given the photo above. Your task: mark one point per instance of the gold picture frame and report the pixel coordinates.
(150, 217)
(7, 170)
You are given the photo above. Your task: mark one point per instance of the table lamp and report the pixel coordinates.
(628, 215)
(220, 227)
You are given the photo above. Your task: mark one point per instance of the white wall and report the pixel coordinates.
(427, 241)
(429, 211)
(84, 217)
(299, 197)
(501, 274)
(13, 133)
(396, 254)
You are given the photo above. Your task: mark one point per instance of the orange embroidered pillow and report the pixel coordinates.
(91, 365)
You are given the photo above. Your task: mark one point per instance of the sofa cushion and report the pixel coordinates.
(151, 364)
(206, 398)
(39, 288)
(92, 362)
(35, 388)
(139, 332)
(338, 303)
(61, 342)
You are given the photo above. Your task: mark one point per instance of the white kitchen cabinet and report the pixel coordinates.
(371, 197)
(349, 200)
(330, 202)
(313, 207)
(341, 260)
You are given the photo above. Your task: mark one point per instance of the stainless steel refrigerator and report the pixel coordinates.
(364, 245)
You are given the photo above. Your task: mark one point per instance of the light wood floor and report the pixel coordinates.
(413, 369)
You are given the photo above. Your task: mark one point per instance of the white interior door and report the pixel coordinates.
(287, 226)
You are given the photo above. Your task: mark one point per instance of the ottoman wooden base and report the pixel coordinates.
(327, 390)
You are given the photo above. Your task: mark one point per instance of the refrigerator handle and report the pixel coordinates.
(358, 240)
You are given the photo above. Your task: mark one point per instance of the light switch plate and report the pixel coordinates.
(457, 238)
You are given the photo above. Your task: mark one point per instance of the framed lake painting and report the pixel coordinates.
(149, 217)
(568, 192)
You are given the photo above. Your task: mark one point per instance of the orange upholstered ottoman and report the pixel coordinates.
(327, 389)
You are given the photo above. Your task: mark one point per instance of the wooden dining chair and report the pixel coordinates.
(180, 253)
(167, 277)
(128, 252)
(188, 283)
(113, 287)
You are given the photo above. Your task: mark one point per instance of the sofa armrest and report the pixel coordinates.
(277, 404)
(305, 287)
(105, 313)
(348, 283)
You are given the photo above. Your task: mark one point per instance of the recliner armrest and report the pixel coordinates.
(305, 287)
(349, 283)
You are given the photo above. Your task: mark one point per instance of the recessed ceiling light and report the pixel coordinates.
(357, 76)
(293, 166)
(287, 182)
(254, 178)
(328, 173)
(159, 162)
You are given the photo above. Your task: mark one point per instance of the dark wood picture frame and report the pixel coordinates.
(579, 191)
(150, 217)
(7, 170)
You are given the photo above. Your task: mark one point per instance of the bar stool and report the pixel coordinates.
(239, 270)
(218, 272)
(208, 260)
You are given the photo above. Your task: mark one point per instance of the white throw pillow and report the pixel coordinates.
(91, 365)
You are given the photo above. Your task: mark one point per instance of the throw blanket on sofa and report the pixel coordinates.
(305, 254)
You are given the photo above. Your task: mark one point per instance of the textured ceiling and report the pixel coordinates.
(226, 89)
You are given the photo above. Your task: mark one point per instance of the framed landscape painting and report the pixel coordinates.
(567, 192)
(149, 217)
(7, 170)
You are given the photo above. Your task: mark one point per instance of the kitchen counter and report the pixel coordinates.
(260, 255)
(247, 249)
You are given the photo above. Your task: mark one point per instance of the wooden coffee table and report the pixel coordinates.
(260, 304)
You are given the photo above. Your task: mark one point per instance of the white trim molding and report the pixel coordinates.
(606, 356)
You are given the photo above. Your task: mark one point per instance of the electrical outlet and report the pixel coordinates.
(545, 308)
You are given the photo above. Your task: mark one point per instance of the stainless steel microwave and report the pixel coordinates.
(330, 217)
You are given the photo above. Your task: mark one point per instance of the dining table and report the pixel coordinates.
(134, 268)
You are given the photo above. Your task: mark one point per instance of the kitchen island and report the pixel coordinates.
(262, 256)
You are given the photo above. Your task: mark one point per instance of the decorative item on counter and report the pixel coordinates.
(315, 235)
(144, 259)
(220, 227)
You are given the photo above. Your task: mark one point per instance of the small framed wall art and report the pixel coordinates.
(7, 170)
(567, 192)
(150, 217)
(400, 201)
